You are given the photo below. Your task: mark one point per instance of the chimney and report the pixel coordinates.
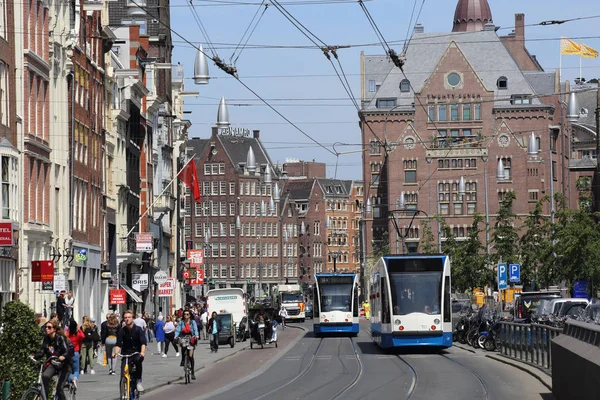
(215, 130)
(489, 27)
(419, 28)
(520, 26)
(255, 134)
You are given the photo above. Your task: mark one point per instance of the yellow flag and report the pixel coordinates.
(588, 52)
(569, 47)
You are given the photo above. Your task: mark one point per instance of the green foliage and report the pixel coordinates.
(381, 247)
(428, 244)
(504, 236)
(536, 247)
(20, 337)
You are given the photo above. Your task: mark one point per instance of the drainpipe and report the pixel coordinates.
(72, 158)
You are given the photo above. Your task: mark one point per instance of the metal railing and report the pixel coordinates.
(529, 343)
(584, 331)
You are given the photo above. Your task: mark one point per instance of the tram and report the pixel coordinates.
(335, 304)
(410, 301)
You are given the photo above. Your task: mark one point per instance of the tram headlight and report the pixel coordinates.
(397, 322)
(436, 321)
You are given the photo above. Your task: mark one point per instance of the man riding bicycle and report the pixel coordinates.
(55, 344)
(131, 339)
(187, 327)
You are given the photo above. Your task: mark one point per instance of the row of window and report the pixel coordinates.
(457, 163)
(248, 229)
(454, 112)
(214, 169)
(246, 271)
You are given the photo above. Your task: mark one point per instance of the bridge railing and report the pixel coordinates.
(584, 331)
(529, 343)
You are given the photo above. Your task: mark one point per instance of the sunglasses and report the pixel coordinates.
(49, 327)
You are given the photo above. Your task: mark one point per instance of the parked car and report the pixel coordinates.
(527, 303)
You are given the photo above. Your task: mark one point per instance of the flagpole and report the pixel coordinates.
(580, 76)
(157, 197)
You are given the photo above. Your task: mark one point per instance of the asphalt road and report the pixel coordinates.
(307, 367)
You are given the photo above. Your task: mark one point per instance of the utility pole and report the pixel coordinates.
(596, 179)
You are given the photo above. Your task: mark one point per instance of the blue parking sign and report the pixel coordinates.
(515, 272)
(502, 276)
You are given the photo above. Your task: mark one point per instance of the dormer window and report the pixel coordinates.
(502, 83)
(405, 86)
(386, 103)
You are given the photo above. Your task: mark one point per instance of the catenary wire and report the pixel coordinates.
(266, 6)
(202, 29)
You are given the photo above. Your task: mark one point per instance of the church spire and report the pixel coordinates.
(471, 15)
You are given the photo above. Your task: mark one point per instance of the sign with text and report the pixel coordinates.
(167, 289)
(196, 258)
(515, 272)
(139, 282)
(47, 286)
(143, 242)
(160, 277)
(117, 296)
(60, 283)
(502, 277)
(6, 234)
(197, 281)
(42, 271)
(231, 131)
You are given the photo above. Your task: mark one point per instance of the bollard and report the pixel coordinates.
(5, 390)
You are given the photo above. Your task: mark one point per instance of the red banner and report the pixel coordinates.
(196, 258)
(117, 296)
(199, 281)
(42, 271)
(6, 234)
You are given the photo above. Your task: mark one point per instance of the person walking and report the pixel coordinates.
(213, 328)
(159, 334)
(110, 331)
(169, 329)
(204, 323)
(87, 348)
(76, 336)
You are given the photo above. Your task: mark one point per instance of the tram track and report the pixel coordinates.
(486, 393)
(344, 390)
(415, 379)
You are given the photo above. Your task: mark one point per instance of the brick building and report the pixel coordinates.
(9, 154)
(471, 106)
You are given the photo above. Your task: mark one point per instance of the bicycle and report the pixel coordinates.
(38, 391)
(126, 389)
(184, 342)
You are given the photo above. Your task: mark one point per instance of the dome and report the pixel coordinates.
(471, 16)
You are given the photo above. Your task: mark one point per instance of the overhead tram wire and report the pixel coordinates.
(266, 6)
(224, 68)
(203, 30)
(217, 3)
(412, 14)
(409, 38)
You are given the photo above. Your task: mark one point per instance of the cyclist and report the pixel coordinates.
(187, 327)
(55, 344)
(283, 314)
(131, 339)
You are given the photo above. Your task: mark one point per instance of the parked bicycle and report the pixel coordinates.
(127, 386)
(38, 391)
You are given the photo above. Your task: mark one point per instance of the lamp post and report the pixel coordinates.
(207, 254)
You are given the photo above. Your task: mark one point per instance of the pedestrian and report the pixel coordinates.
(69, 306)
(76, 336)
(87, 347)
(109, 340)
(169, 329)
(61, 308)
(149, 327)
(141, 322)
(159, 333)
(213, 328)
(204, 323)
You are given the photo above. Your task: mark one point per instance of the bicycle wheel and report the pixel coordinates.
(32, 394)
(186, 368)
(123, 389)
(70, 392)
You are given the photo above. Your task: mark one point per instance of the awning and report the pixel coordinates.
(134, 297)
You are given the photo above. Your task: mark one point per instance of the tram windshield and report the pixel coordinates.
(335, 293)
(416, 286)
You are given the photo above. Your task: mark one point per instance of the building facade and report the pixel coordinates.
(450, 118)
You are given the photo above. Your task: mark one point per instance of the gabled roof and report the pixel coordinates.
(541, 82)
(237, 150)
(483, 50)
(587, 99)
(299, 190)
(335, 187)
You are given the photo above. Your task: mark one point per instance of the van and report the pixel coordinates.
(228, 301)
(527, 303)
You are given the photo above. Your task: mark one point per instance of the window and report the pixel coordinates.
(506, 162)
(554, 177)
(410, 176)
(4, 106)
(454, 112)
(371, 86)
(477, 111)
(222, 188)
(9, 187)
(471, 208)
(205, 188)
(206, 169)
(518, 99)
(502, 83)
(466, 112)
(375, 147)
(232, 209)
(405, 86)
(232, 188)
(458, 208)
(453, 79)
(386, 103)
(214, 169)
(214, 188)
(198, 229)
(431, 113)
(443, 112)
(221, 168)
(533, 195)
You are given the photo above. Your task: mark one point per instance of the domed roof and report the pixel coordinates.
(471, 15)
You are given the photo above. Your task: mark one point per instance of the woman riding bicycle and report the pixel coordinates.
(55, 344)
(187, 327)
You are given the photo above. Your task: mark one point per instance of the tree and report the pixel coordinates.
(504, 235)
(449, 245)
(19, 338)
(428, 244)
(536, 246)
(469, 265)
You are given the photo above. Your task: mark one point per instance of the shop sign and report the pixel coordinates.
(118, 296)
(6, 234)
(167, 289)
(139, 282)
(42, 271)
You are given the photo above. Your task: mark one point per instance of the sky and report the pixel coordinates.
(301, 83)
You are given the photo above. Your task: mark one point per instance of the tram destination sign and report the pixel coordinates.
(336, 280)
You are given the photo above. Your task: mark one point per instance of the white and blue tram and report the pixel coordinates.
(335, 304)
(410, 301)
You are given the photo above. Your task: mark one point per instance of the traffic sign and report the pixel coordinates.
(515, 272)
(160, 277)
(502, 277)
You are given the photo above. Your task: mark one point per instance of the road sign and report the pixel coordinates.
(143, 242)
(502, 277)
(515, 272)
(167, 289)
(160, 277)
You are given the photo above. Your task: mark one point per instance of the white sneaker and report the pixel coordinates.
(164, 356)
(82, 372)
(92, 371)
(177, 354)
(139, 387)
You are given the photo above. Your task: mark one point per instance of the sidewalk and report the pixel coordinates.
(157, 371)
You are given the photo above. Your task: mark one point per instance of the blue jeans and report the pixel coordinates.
(74, 367)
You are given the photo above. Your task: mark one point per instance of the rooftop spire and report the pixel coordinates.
(223, 114)
(471, 16)
(201, 68)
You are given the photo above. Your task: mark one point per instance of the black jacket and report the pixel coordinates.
(131, 341)
(53, 347)
(91, 336)
(210, 324)
(106, 331)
